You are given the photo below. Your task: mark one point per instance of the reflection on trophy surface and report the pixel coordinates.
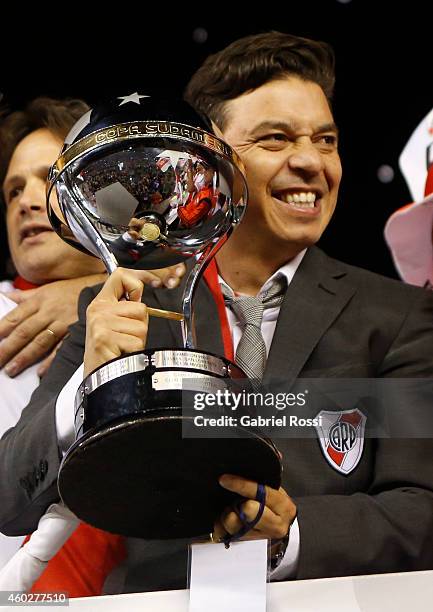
(144, 184)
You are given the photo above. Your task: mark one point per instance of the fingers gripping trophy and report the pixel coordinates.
(142, 183)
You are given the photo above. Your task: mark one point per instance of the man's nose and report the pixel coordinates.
(305, 157)
(32, 198)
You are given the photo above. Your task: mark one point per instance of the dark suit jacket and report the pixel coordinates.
(335, 321)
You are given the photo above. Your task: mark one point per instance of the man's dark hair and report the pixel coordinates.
(253, 61)
(56, 115)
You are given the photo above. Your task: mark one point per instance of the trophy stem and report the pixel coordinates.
(94, 237)
(191, 286)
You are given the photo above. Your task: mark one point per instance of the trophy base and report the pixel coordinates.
(132, 473)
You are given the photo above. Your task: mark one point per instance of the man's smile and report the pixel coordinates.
(299, 200)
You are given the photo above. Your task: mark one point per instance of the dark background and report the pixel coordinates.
(383, 85)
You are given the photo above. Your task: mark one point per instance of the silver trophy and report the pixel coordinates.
(144, 184)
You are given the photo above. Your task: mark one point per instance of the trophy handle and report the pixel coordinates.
(93, 236)
(191, 286)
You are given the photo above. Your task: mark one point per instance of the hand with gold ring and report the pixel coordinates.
(50, 331)
(45, 363)
(35, 327)
(42, 316)
(278, 514)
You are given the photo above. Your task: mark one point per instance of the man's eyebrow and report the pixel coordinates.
(11, 179)
(43, 169)
(291, 127)
(328, 127)
(272, 125)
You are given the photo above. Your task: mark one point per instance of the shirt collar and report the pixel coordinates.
(288, 270)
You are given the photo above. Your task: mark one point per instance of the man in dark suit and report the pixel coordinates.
(273, 107)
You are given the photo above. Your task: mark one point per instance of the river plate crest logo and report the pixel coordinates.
(341, 436)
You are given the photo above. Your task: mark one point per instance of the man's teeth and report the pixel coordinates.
(303, 199)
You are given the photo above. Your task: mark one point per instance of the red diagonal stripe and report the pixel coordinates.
(336, 456)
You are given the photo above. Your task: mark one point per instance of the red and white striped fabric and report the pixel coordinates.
(408, 233)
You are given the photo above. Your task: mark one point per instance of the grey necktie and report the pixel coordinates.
(251, 350)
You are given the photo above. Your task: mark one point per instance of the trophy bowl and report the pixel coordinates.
(144, 194)
(143, 184)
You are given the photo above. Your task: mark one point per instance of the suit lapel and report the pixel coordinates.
(315, 297)
(166, 299)
(206, 318)
(207, 323)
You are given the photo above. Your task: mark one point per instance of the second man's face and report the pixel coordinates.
(285, 135)
(39, 255)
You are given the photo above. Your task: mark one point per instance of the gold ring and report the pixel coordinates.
(50, 331)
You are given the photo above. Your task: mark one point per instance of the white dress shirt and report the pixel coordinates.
(6, 286)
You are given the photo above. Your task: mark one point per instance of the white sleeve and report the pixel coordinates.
(26, 566)
(289, 563)
(65, 410)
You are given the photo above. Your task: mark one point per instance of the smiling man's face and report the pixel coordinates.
(38, 254)
(285, 134)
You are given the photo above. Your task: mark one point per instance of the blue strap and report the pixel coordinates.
(247, 525)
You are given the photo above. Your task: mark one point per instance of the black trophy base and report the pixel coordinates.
(131, 472)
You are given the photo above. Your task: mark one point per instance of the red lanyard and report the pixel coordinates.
(211, 278)
(21, 283)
